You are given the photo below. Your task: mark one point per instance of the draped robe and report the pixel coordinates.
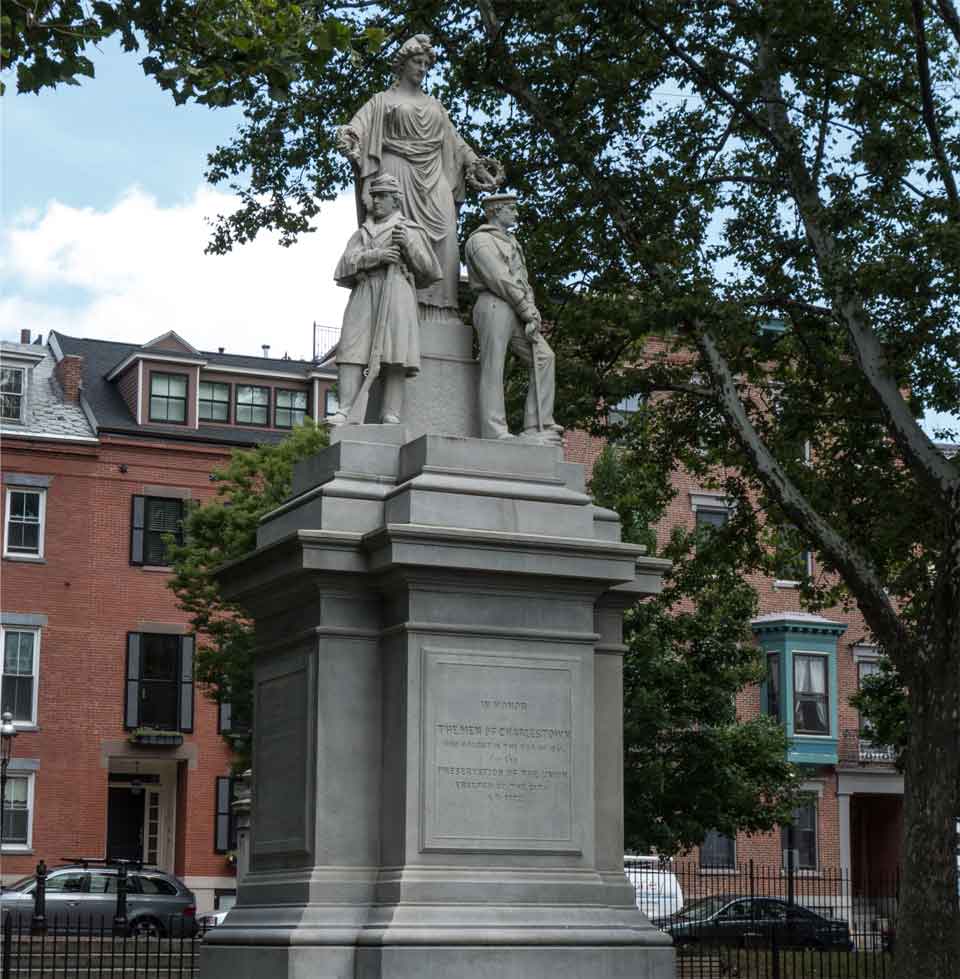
(414, 140)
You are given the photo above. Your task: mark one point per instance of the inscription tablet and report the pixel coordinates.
(498, 752)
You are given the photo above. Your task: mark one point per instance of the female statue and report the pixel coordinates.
(408, 134)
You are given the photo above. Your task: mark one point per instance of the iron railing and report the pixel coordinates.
(90, 948)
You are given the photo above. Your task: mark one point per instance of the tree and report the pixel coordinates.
(689, 765)
(253, 483)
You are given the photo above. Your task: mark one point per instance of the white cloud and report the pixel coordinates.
(136, 270)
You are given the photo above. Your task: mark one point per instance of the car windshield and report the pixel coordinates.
(701, 908)
(19, 885)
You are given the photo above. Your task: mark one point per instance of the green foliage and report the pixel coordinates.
(882, 702)
(253, 483)
(690, 765)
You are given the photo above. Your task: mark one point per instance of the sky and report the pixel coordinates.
(103, 223)
(104, 217)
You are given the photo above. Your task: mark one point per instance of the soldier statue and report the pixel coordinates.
(387, 259)
(505, 315)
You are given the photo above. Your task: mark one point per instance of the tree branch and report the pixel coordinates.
(853, 566)
(921, 455)
(929, 110)
(949, 14)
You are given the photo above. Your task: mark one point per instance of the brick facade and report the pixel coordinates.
(859, 796)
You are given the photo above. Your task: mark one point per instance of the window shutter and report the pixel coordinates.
(186, 683)
(223, 823)
(131, 714)
(137, 530)
(224, 718)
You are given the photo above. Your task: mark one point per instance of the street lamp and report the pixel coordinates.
(7, 733)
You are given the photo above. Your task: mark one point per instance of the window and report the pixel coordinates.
(225, 830)
(230, 720)
(811, 702)
(23, 533)
(711, 517)
(291, 408)
(153, 518)
(159, 682)
(773, 687)
(331, 403)
(11, 393)
(791, 558)
(70, 882)
(253, 405)
(168, 398)
(19, 690)
(718, 851)
(801, 838)
(214, 402)
(17, 827)
(865, 668)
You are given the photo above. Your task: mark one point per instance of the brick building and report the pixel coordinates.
(104, 445)
(854, 820)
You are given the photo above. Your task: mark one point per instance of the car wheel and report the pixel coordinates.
(146, 927)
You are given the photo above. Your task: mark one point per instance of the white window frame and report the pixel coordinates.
(18, 555)
(30, 725)
(825, 657)
(22, 395)
(27, 847)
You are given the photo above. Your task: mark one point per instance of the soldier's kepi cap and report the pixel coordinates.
(386, 183)
(491, 200)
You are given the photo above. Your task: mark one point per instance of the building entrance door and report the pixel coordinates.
(125, 811)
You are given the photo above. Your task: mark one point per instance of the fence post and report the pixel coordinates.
(120, 918)
(38, 923)
(7, 944)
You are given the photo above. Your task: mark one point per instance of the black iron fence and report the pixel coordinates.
(755, 922)
(90, 948)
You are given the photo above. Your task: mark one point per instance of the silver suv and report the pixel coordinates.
(84, 896)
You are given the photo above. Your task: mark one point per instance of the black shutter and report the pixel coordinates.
(137, 530)
(186, 683)
(131, 712)
(223, 835)
(224, 717)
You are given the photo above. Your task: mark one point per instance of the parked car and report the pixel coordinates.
(657, 889)
(732, 920)
(80, 896)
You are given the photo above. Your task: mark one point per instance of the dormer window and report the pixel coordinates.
(168, 398)
(12, 382)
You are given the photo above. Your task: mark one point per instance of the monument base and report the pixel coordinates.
(440, 962)
(439, 739)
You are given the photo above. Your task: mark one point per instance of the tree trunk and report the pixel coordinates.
(928, 922)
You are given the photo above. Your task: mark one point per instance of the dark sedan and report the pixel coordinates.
(728, 920)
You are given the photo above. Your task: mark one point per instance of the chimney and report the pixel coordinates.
(24, 336)
(266, 350)
(219, 350)
(69, 373)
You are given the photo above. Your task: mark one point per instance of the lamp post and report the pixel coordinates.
(7, 733)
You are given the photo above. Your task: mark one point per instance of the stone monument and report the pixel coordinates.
(438, 744)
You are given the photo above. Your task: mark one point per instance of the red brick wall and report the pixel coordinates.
(69, 374)
(93, 597)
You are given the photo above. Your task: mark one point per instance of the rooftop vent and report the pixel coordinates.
(266, 350)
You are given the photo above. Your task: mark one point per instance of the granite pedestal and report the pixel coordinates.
(438, 722)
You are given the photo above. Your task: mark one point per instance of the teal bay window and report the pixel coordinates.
(800, 688)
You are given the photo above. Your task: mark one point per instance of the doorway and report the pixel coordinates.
(125, 810)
